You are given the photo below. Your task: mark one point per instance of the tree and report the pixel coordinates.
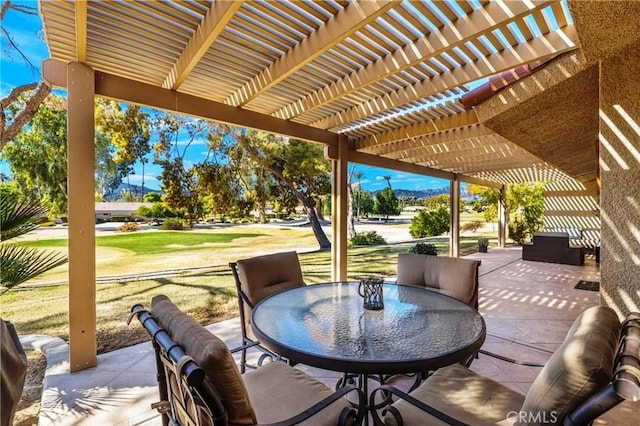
(358, 175)
(37, 156)
(108, 176)
(386, 202)
(366, 202)
(179, 182)
(433, 203)
(224, 193)
(430, 223)
(129, 133)
(152, 197)
(22, 103)
(300, 165)
(525, 199)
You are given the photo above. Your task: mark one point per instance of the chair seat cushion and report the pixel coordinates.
(279, 391)
(463, 395)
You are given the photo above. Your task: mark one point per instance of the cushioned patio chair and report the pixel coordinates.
(200, 384)
(452, 276)
(257, 278)
(595, 368)
(13, 372)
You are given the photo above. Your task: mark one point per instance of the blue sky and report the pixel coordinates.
(27, 32)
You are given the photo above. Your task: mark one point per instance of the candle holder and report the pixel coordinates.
(370, 289)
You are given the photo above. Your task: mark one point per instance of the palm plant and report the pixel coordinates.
(17, 263)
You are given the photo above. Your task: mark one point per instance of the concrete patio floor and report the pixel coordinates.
(528, 308)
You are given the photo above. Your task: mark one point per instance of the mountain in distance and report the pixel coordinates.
(116, 194)
(423, 193)
(420, 194)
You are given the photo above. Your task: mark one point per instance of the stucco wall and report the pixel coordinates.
(620, 180)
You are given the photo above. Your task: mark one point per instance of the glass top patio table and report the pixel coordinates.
(326, 326)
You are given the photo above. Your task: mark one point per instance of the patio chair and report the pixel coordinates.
(13, 371)
(452, 276)
(257, 278)
(200, 384)
(594, 369)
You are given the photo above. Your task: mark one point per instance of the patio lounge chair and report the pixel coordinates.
(596, 367)
(257, 278)
(199, 382)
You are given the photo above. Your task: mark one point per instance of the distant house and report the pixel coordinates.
(106, 211)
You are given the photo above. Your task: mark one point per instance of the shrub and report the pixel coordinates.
(128, 227)
(518, 231)
(471, 226)
(369, 238)
(173, 224)
(430, 223)
(424, 248)
(483, 241)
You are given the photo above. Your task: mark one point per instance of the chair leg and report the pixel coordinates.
(243, 358)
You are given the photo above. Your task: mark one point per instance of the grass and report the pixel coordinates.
(152, 242)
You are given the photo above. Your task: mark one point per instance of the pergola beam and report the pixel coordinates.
(466, 118)
(213, 23)
(408, 147)
(122, 89)
(538, 49)
(479, 22)
(351, 19)
(81, 30)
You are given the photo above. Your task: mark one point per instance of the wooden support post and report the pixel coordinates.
(502, 217)
(339, 211)
(454, 234)
(81, 190)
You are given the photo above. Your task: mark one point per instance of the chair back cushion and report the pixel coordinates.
(579, 368)
(263, 276)
(452, 276)
(210, 353)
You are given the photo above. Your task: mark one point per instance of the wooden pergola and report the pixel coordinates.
(382, 83)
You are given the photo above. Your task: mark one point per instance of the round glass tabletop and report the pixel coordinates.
(326, 326)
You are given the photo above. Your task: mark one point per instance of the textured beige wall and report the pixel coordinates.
(620, 180)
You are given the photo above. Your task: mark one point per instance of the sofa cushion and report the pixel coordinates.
(579, 368)
(452, 276)
(279, 392)
(211, 354)
(463, 395)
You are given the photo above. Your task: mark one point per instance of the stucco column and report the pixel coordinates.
(620, 181)
(454, 207)
(81, 192)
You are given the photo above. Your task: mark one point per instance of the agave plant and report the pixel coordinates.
(17, 263)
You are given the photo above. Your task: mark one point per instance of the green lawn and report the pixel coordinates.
(153, 242)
